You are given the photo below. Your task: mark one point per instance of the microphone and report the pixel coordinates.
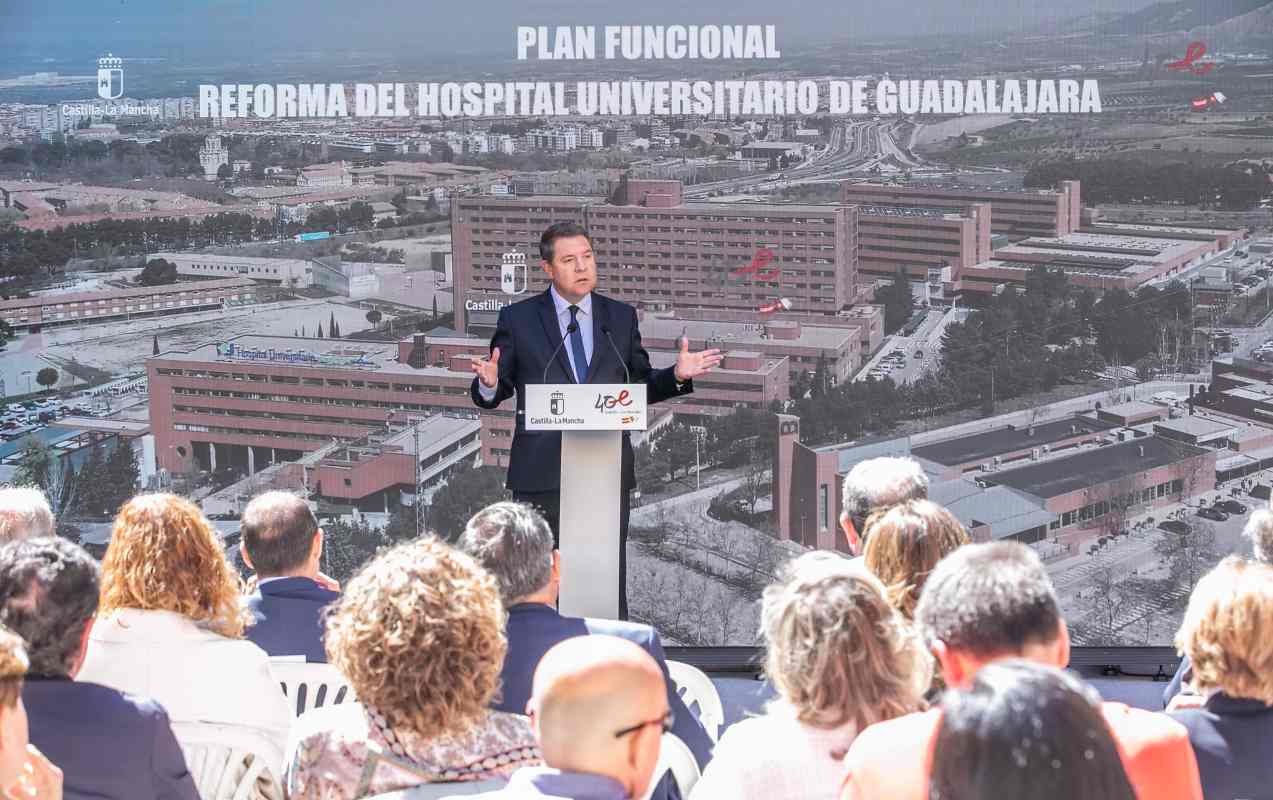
(627, 376)
(571, 328)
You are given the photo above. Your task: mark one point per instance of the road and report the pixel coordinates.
(926, 340)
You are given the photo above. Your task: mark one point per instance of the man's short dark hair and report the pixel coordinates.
(48, 593)
(278, 533)
(989, 600)
(559, 230)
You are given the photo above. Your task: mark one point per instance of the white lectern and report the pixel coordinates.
(591, 418)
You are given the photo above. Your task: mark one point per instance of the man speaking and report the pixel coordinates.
(571, 334)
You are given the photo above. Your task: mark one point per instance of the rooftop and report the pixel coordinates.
(300, 353)
(1196, 426)
(981, 447)
(740, 333)
(1095, 466)
(138, 291)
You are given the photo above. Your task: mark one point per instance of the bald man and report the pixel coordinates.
(598, 708)
(283, 545)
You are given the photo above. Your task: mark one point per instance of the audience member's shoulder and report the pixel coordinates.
(513, 728)
(632, 631)
(118, 707)
(883, 739)
(341, 723)
(1137, 730)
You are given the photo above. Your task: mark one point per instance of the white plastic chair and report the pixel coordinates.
(676, 756)
(695, 687)
(231, 762)
(311, 685)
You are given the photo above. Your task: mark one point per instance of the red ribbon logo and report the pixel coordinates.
(1193, 52)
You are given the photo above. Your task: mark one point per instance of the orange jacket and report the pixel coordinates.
(893, 759)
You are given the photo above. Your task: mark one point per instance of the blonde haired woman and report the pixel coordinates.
(840, 658)
(904, 543)
(1227, 632)
(170, 624)
(419, 632)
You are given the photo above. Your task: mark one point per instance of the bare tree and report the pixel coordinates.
(1189, 555)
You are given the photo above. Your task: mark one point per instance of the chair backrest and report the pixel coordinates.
(230, 762)
(695, 687)
(311, 685)
(676, 756)
(439, 791)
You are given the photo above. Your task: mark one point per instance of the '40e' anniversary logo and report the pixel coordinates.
(605, 402)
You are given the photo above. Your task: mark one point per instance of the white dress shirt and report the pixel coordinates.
(563, 321)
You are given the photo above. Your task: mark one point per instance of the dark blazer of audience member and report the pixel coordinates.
(109, 744)
(1259, 529)
(1023, 729)
(1228, 635)
(986, 603)
(283, 545)
(514, 543)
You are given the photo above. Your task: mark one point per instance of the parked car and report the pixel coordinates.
(1212, 514)
(1231, 507)
(1174, 526)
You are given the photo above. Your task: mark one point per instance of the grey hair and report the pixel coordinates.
(1259, 529)
(877, 484)
(24, 513)
(513, 542)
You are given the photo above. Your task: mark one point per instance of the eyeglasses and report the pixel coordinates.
(667, 721)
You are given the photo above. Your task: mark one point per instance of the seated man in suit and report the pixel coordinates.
(283, 544)
(514, 543)
(599, 709)
(984, 603)
(108, 744)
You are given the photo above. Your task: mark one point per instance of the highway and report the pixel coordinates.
(853, 149)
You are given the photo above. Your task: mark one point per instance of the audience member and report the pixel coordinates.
(283, 545)
(24, 771)
(904, 544)
(514, 543)
(24, 512)
(107, 743)
(1259, 529)
(1025, 730)
(599, 708)
(875, 485)
(841, 658)
(1228, 635)
(170, 626)
(985, 603)
(419, 634)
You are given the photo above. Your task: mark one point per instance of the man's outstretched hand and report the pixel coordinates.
(691, 365)
(487, 369)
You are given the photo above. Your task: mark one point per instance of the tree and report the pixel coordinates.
(676, 448)
(435, 306)
(899, 302)
(46, 377)
(225, 171)
(349, 545)
(374, 316)
(158, 272)
(467, 491)
(93, 496)
(1189, 555)
(649, 472)
(121, 473)
(154, 346)
(333, 332)
(43, 469)
(320, 330)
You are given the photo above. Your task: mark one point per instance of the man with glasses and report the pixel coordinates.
(599, 708)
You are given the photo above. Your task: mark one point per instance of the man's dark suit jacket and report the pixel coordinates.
(527, 334)
(108, 744)
(533, 628)
(1231, 738)
(288, 617)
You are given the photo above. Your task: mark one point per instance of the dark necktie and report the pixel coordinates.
(576, 347)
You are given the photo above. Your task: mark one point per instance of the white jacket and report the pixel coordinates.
(197, 675)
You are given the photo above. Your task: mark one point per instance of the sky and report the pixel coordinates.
(241, 29)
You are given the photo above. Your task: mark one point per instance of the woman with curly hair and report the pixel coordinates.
(841, 658)
(170, 624)
(419, 633)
